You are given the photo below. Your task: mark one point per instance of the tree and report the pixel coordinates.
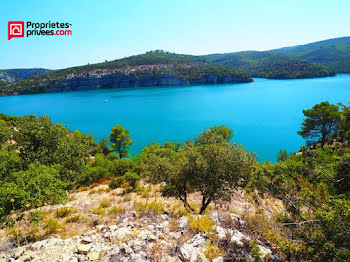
(282, 155)
(345, 120)
(104, 142)
(4, 132)
(121, 141)
(209, 165)
(321, 121)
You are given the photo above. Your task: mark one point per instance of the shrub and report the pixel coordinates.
(35, 218)
(74, 219)
(35, 186)
(105, 203)
(52, 226)
(116, 182)
(153, 207)
(212, 250)
(99, 211)
(64, 211)
(201, 223)
(115, 210)
(131, 178)
(255, 252)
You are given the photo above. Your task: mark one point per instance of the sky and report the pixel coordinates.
(111, 29)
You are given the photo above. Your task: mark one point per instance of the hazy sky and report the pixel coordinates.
(110, 29)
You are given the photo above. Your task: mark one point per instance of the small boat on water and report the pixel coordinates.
(106, 101)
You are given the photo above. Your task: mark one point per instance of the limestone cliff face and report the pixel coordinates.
(125, 80)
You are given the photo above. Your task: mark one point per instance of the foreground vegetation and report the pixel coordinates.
(41, 161)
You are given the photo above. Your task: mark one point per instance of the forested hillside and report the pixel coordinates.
(270, 65)
(154, 68)
(332, 53)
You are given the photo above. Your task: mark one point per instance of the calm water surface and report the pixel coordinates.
(265, 115)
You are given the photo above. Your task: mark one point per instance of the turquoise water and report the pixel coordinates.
(264, 115)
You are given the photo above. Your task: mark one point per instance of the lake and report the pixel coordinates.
(264, 115)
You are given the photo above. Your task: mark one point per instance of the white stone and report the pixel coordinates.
(265, 251)
(218, 259)
(191, 250)
(126, 248)
(121, 232)
(183, 222)
(235, 235)
(93, 255)
(83, 249)
(86, 240)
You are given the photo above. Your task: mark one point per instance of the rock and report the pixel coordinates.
(137, 258)
(100, 227)
(146, 235)
(83, 249)
(183, 222)
(235, 235)
(121, 232)
(25, 258)
(94, 255)
(191, 250)
(150, 227)
(86, 240)
(265, 251)
(18, 252)
(113, 227)
(126, 249)
(218, 259)
(164, 216)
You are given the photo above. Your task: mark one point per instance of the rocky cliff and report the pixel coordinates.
(128, 80)
(10, 75)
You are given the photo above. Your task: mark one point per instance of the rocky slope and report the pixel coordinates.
(134, 227)
(125, 80)
(10, 75)
(151, 69)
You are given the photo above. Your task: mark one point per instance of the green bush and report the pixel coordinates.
(35, 186)
(116, 182)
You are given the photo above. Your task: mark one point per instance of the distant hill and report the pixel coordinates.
(155, 68)
(159, 68)
(270, 65)
(333, 53)
(10, 75)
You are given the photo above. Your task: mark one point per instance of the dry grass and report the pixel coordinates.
(74, 219)
(105, 203)
(153, 207)
(99, 211)
(116, 210)
(52, 226)
(64, 212)
(212, 250)
(201, 223)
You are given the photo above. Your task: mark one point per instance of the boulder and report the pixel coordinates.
(94, 255)
(191, 250)
(183, 222)
(83, 249)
